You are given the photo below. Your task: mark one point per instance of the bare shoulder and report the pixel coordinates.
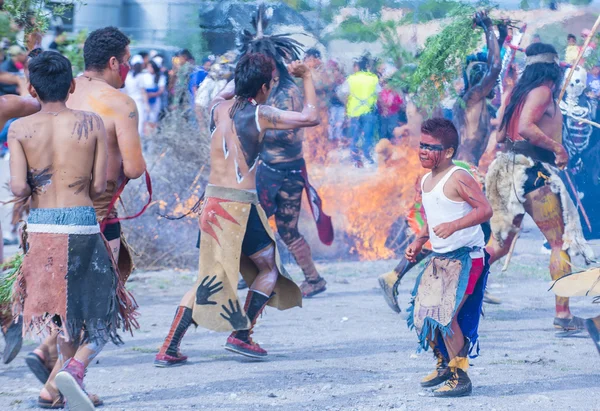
(124, 105)
(461, 178)
(15, 128)
(540, 94)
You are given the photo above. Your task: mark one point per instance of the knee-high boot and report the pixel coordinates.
(169, 354)
(240, 341)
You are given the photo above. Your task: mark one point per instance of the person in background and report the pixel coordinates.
(390, 104)
(360, 91)
(219, 75)
(337, 111)
(134, 88)
(536, 39)
(593, 81)
(145, 58)
(159, 59)
(585, 33)
(154, 84)
(60, 38)
(14, 64)
(316, 138)
(572, 50)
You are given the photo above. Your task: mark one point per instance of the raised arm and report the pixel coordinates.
(18, 164)
(100, 167)
(482, 89)
(12, 106)
(534, 108)
(128, 138)
(273, 118)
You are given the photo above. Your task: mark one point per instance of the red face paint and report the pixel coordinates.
(430, 152)
(123, 71)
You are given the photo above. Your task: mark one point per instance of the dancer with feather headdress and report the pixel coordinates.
(236, 236)
(282, 176)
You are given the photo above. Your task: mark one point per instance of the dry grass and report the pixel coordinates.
(177, 154)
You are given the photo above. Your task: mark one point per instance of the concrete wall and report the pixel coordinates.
(98, 13)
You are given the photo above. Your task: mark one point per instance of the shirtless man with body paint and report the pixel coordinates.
(531, 127)
(106, 54)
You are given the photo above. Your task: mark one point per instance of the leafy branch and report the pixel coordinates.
(441, 61)
(34, 16)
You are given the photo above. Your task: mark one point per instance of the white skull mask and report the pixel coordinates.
(578, 82)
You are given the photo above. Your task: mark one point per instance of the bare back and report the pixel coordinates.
(551, 122)
(474, 128)
(234, 146)
(112, 106)
(60, 152)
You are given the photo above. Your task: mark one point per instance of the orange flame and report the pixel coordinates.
(364, 203)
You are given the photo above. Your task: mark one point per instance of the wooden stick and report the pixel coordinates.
(583, 120)
(581, 52)
(511, 250)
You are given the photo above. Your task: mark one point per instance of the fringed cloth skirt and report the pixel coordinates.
(68, 280)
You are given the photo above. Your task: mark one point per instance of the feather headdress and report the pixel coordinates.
(279, 47)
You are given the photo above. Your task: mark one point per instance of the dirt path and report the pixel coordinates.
(345, 350)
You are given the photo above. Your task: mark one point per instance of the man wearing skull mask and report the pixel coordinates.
(580, 140)
(525, 179)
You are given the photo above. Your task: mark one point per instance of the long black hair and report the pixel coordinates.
(280, 48)
(534, 76)
(157, 72)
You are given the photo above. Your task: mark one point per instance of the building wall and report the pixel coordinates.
(146, 21)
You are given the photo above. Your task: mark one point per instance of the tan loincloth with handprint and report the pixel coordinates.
(223, 219)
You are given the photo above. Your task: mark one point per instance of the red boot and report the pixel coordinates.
(169, 354)
(240, 342)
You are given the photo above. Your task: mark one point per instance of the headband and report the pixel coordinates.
(542, 58)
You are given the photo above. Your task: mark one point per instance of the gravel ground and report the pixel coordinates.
(344, 350)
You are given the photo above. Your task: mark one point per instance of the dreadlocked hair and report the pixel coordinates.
(280, 48)
(252, 72)
(534, 76)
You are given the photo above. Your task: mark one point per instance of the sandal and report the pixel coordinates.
(569, 326)
(38, 367)
(59, 403)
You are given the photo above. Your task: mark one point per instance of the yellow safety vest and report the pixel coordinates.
(362, 93)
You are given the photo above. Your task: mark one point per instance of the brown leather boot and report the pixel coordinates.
(313, 283)
(440, 374)
(459, 383)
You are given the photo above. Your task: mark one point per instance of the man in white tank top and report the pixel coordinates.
(453, 281)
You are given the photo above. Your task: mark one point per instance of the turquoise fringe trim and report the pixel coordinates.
(84, 216)
(431, 326)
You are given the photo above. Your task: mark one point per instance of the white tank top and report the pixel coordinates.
(440, 209)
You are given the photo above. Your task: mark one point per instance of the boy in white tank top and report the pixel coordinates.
(448, 295)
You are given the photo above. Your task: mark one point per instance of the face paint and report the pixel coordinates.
(123, 71)
(431, 147)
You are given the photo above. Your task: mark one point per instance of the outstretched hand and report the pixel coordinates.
(482, 19)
